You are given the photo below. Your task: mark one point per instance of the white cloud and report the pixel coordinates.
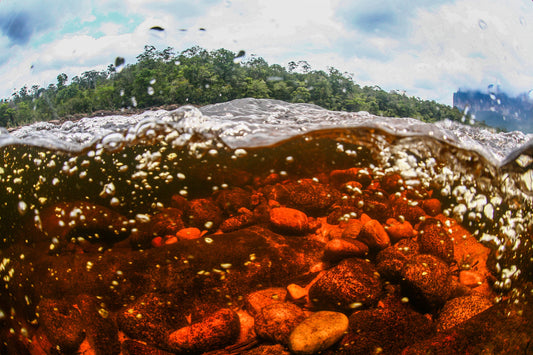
(427, 50)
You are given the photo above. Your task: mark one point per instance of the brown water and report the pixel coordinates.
(92, 224)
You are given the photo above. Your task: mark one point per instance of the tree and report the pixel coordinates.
(61, 80)
(200, 77)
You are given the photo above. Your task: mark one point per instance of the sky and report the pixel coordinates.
(427, 49)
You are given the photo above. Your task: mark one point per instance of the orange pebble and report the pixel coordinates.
(189, 233)
(432, 206)
(171, 240)
(157, 242)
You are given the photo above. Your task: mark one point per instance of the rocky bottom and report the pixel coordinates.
(350, 262)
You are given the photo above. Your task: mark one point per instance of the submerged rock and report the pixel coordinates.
(460, 309)
(276, 322)
(318, 332)
(426, 280)
(352, 283)
(211, 333)
(289, 220)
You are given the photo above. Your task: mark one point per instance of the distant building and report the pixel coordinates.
(497, 109)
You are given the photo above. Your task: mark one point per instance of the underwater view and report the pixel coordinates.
(263, 227)
(200, 200)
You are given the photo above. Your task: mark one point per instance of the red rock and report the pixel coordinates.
(389, 329)
(243, 219)
(133, 347)
(354, 282)
(390, 261)
(203, 213)
(353, 228)
(433, 239)
(276, 322)
(338, 177)
(257, 300)
(432, 206)
(338, 249)
(470, 278)
(392, 183)
(62, 324)
(231, 200)
(188, 233)
(289, 220)
(170, 239)
(399, 230)
(306, 195)
(296, 292)
(460, 309)
(179, 202)
(374, 235)
(365, 218)
(350, 187)
(410, 212)
(426, 280)
(211, 333)
(166, 222)
(376, 205)
(157, 242)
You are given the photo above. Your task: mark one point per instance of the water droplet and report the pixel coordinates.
(119, 64)
(152, 82)
(482, 24)
(239, 57)
(150, 90)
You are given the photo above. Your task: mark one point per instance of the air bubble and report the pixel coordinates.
(113, 142)
(22, 208)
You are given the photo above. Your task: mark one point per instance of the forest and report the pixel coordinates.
(197, 76)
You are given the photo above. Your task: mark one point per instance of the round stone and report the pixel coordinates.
(318, 332)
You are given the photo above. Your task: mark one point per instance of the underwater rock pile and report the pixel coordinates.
(350, 262)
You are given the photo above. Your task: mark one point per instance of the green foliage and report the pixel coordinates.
(197, 76)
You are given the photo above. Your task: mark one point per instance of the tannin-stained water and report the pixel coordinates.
(227, 231)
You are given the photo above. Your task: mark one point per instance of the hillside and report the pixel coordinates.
(197, 76)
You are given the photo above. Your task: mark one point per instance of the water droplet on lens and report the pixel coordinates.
(119, 64)
(482, 24)
(150, 90)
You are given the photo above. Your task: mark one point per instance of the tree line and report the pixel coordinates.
(199, 77)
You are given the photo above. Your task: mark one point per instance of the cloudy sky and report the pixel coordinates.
(428, 49)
